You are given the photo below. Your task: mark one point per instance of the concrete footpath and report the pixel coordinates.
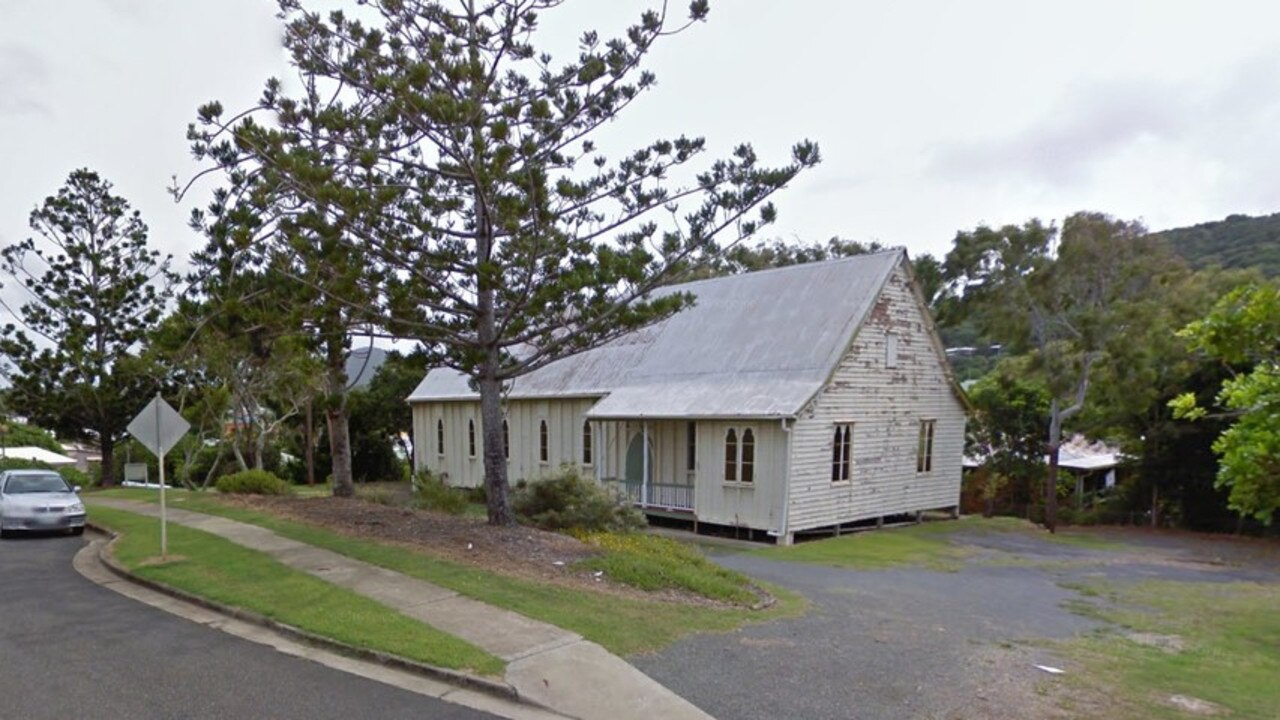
(546, 665)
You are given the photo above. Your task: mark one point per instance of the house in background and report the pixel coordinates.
(784, 401)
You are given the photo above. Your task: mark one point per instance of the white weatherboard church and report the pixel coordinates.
(783, 401)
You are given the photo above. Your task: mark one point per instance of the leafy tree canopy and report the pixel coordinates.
(465, 165)
(1243, 331)
(93, 289)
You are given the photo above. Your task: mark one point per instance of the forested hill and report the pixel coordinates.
(1239, 241)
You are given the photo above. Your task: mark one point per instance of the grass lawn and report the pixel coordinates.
(217, 569)
(1230, 637)
(622, 625)
(925, 545)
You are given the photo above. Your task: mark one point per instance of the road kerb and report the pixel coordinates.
(457, 680)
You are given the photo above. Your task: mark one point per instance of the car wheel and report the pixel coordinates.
(77, 530)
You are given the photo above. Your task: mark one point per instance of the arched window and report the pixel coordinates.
(586, 443)
(748, 472)
(731, 456)
(506, 439)
(841, 445)
(544, 442)
(471, 438)
(440, 437)
(690, 446)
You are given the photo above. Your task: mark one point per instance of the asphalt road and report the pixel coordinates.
(69, 648)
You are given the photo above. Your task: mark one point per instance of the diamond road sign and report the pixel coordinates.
(159, 427)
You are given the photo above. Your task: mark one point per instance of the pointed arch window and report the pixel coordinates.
(740, 455)
(506, 439)
(842, 453)
(440, 438)
(747, 471)
(731, 456)
(586, 443)
(544, 442)
(471, 438)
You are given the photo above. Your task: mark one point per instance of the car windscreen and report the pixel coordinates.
(19, 484)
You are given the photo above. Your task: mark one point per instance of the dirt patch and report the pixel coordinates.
(1171, 644)
(521, 552)
(1195, 706)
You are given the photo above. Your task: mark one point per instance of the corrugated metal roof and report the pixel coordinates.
(38, 454)
(753, 345)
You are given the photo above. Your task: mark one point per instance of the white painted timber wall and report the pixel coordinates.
(885, 406)
(564, 434)
(755, 505)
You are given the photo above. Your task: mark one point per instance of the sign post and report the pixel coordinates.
(159, 427)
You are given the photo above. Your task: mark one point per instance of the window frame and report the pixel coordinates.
(440, 437)
(924, 445)
(506, 439)
(842, 453)
(730, 466)
(544, 442)
(471, 438)
(588, 444)
(691, 449)
(743, 448)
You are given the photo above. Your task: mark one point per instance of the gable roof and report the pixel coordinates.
(759, 344)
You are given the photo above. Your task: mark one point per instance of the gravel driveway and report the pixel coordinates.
(914, 643)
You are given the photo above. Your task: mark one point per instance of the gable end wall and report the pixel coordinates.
(885, 406)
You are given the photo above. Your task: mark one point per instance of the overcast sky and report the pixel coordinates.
(932, 116)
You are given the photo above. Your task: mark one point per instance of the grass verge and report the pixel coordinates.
(622, 625)
(655, 563)
(227, 573)
(1229, 654)
(925, 545)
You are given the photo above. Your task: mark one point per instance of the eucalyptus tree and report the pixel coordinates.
(1064, 299)
(91, 288)
(468, 170)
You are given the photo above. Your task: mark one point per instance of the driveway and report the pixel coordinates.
(73, 649)
(914, 643)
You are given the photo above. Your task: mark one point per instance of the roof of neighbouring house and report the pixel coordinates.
(38, 454)
(1080, 453)
(759, 344)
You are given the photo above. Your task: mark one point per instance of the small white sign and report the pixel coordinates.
(159, 427)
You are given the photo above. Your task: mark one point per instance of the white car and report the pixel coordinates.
(39, 500)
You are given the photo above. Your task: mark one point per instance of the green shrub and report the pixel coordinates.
(73, 476)
(569, 501)
(431, 493)
(253, 482)
(653, 563)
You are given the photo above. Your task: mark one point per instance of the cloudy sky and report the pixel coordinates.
(932, 115)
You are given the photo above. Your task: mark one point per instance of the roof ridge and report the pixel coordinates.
(790, 268)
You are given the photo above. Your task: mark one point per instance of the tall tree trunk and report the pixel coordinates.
(235, 450)
(309, 452)
(495, 465)
(340, 451)
(1051, 482)
(107, 449)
